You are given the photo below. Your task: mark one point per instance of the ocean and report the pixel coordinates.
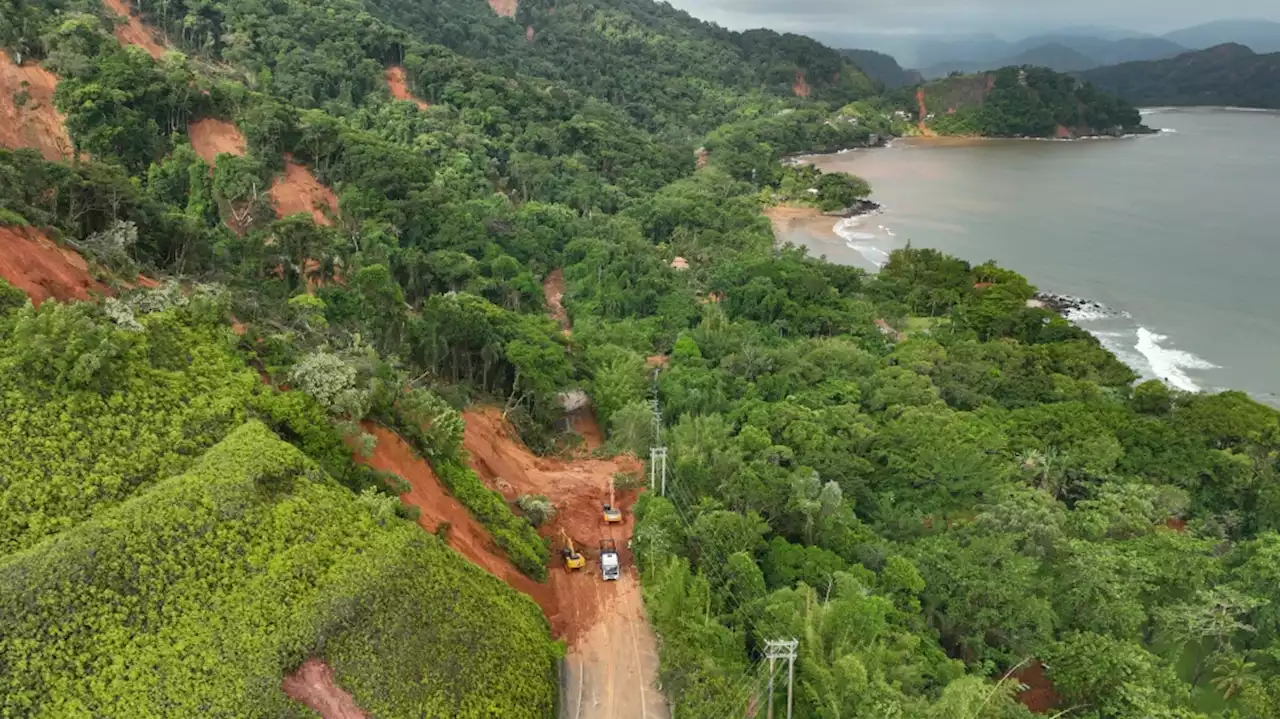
(1176, 235)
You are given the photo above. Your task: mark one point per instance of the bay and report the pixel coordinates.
(1177, 234)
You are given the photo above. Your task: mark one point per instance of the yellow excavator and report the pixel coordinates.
(612, 515)
(572, 558)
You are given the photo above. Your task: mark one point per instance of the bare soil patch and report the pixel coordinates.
(505, 8)
(398, 83)
(297, 190)
(553, 291)
(1039, 695)
(27, 115)
(313, 685)
(134, 32)
(211, 137)
(33, 263)
(800, 87)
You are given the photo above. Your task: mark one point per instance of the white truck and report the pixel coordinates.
(610, 569)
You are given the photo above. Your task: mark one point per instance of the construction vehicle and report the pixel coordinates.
(612, 515)
(573, 559)
(610, 568)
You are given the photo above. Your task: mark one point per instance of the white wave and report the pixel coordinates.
(849, 229)
(1120, 344)
(1167, 363)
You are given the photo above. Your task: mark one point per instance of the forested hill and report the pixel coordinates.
(883, 68)
(1022, 101)
(1231, 75)
(663, 67)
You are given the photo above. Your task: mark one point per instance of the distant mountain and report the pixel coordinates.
(882, 68)
(1134, 49)
(1054, 56)
(1229, 74)
(1261, 36)
(1066, 53)
(920, 50)
(965, 48)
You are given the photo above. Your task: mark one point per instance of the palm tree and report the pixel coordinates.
(1233, 673)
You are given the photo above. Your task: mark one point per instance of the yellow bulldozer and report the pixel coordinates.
(573, 559)
(612, 515)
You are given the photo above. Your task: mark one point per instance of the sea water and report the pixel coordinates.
(1176, 236)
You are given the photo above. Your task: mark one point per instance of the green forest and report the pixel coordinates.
(935, 513)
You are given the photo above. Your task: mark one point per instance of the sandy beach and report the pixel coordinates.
(788, 220)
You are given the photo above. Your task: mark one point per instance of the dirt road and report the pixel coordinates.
(611, 671)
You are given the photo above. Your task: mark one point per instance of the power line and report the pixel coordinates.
(775, 650)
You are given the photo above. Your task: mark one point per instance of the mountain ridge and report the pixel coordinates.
(1230, 74)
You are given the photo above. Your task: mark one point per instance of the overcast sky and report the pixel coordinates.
(1008, 17)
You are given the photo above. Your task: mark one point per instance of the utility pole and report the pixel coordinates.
(775, 649)
(658, 467)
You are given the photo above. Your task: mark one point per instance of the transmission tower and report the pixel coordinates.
(775, 650)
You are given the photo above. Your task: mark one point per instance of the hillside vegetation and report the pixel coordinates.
(1230, 75)
(935, 485)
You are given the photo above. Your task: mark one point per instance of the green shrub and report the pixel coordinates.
(514, 535)
(196, 597)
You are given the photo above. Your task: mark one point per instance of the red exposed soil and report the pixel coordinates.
(133, 32)
(553, 291)
(1039, 695)
(1063, 133)
(436, 505)
(398, 82)
(211, 137)
(297, 190)
(505, 8)
(37, 124)
(800, 87)
(313, 685)
(924, 114)
(31, 262)
(1177, 524)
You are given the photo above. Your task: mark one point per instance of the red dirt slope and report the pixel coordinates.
(399, 85)
(211, 137)
(435, 505)
(553, 292)
(133, 32)
(297, 190)
(313, 685)
(37, 124)
(505, 8)
(800, 87)
(34, 264)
